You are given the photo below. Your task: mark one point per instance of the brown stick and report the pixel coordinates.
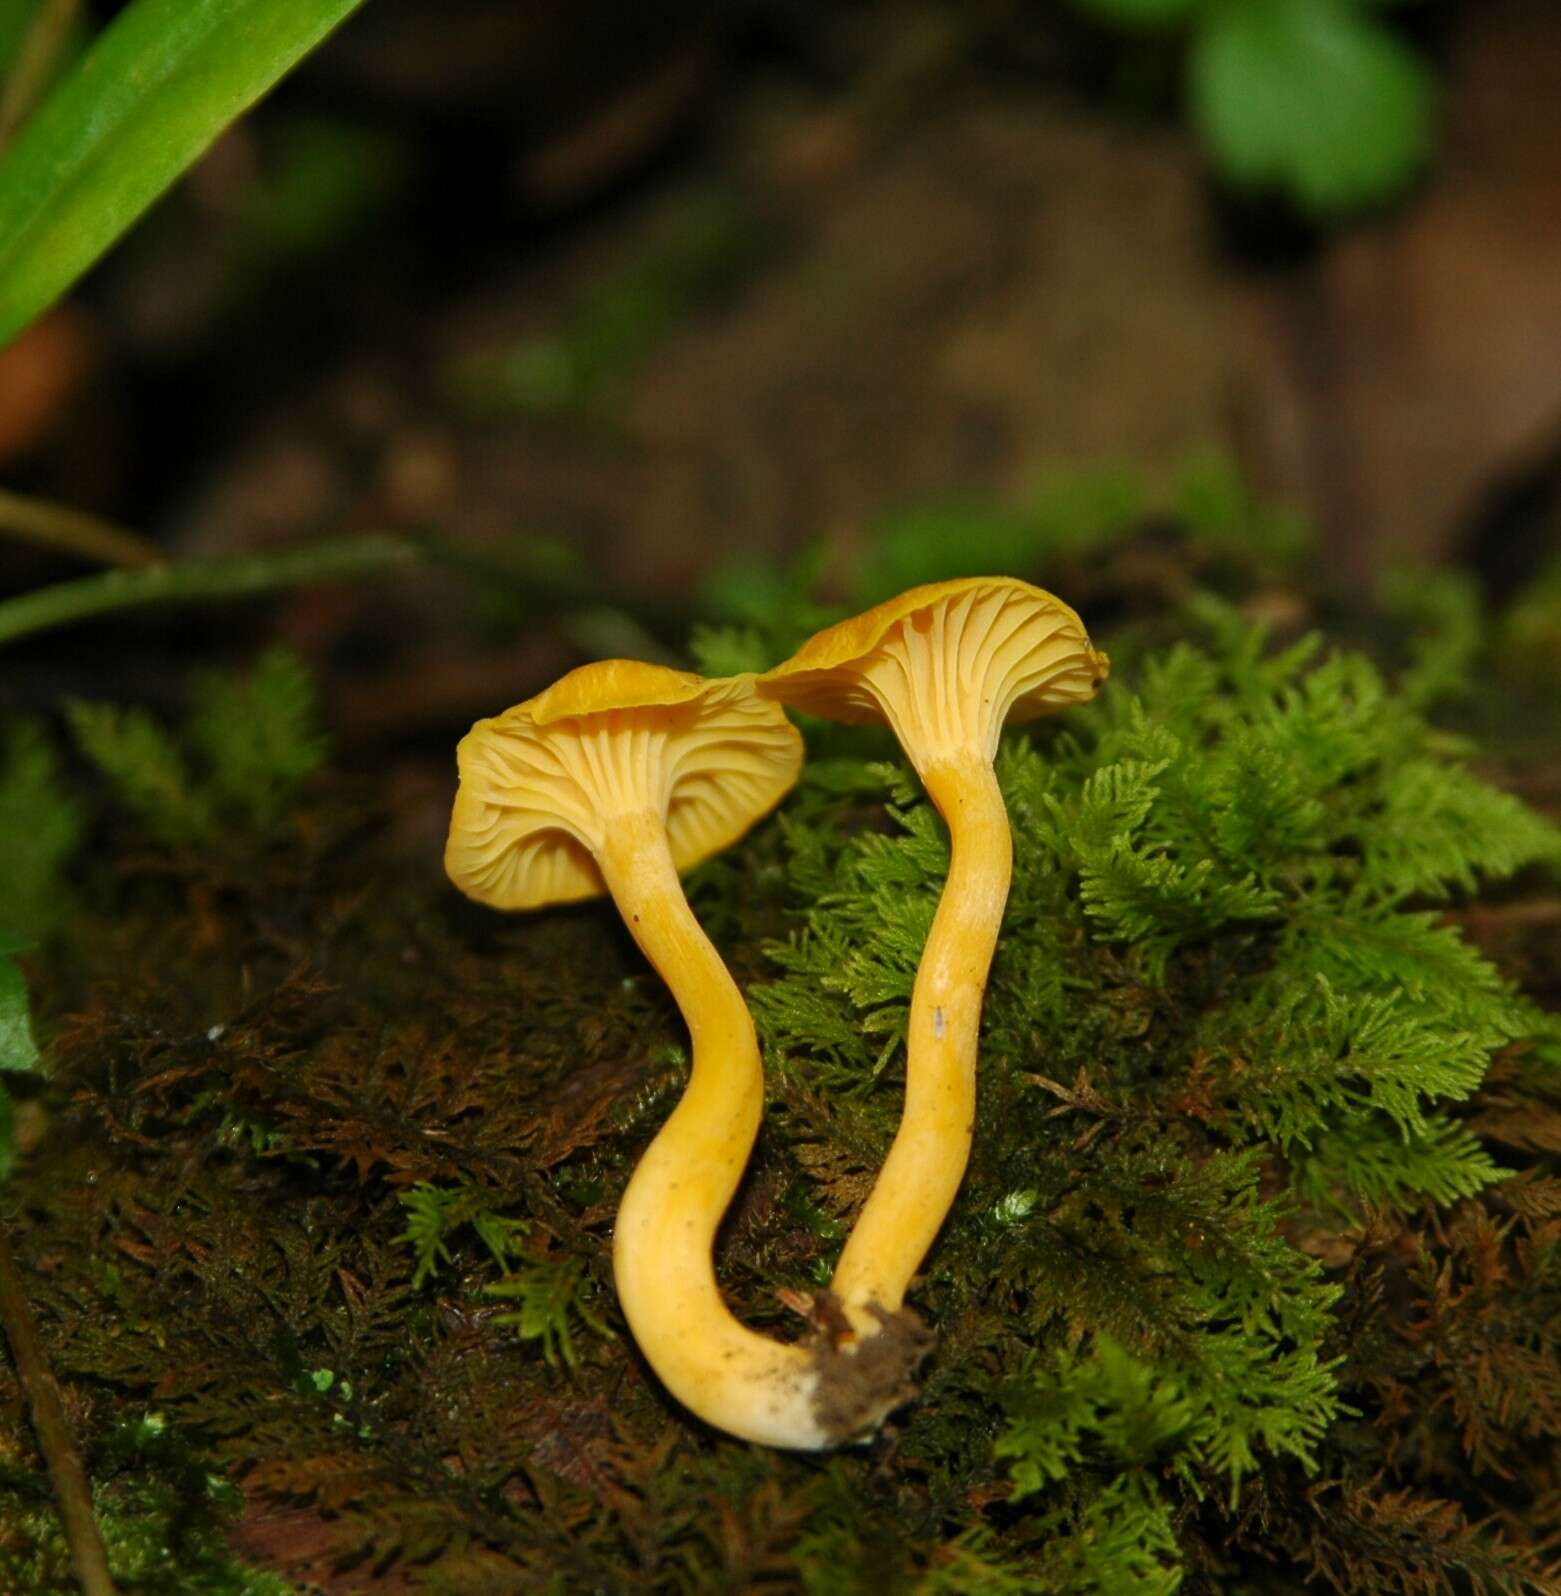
(59, 1449)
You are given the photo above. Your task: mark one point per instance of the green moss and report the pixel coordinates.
(40, 825)
(162, 1515)
(1255, 1268)
(249, 743)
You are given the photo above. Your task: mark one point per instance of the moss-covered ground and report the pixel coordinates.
(1254, 1284)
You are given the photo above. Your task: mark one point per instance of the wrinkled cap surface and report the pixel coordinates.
(946, 663)
(541, 784)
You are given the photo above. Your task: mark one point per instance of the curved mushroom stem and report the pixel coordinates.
(927, 1161)
(741, 1382)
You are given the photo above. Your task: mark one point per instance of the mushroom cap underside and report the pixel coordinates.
(541, 784)
(1045, 651)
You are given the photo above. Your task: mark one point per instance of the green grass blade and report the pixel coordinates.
(153, 92)
(202, 581)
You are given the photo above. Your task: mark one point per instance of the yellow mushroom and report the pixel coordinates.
(946, 666)
(616, 778)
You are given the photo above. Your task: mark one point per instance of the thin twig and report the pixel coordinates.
(34, 64)
(54, 1438)
(194, 581)
(57, 526)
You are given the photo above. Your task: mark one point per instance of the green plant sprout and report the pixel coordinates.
(1314, 99)
(551, 1296)
(434, 1214)
(256, 738)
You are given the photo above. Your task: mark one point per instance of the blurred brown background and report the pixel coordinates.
(613, 293)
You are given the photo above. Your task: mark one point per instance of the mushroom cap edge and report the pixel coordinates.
(818, 678)
(537, 860)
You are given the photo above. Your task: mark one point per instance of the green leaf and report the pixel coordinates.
(18, 1051)
(1311, 97)
(140, 107)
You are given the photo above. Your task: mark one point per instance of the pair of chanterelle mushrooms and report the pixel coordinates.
(622, 774)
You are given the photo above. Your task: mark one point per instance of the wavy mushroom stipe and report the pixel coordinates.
(613, 780)
(946, 666)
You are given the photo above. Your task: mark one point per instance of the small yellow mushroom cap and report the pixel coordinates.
(541, 784)
(950, 656)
